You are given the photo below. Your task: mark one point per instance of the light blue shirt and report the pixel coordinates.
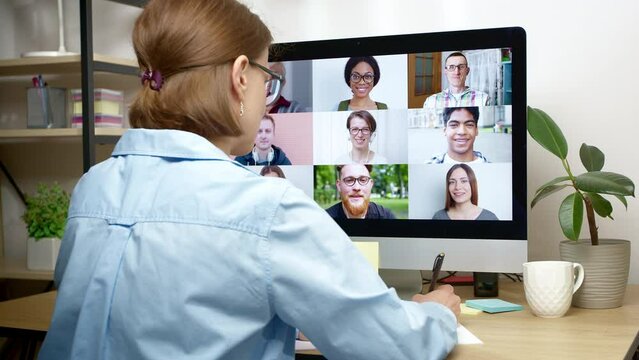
(174, 251)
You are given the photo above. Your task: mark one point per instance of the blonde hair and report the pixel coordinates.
(193, 43)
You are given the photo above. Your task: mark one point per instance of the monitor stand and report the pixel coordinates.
(486, 284)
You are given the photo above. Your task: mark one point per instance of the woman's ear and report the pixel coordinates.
(239, 76)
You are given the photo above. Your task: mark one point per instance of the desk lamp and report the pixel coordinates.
(62, 50)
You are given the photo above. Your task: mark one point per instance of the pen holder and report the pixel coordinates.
(46, 107)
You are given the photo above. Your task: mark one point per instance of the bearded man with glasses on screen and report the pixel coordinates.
(354, 185)
(458, 94)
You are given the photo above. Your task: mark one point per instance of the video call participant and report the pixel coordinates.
(354, 185)
(462, 196)
(282, 105)
(361, 75)
(173, 251)
(460, 130)
(264, 152)
(458, 94)
(272, 171)
(361, 127)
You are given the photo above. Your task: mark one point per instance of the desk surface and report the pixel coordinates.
(31, 313)
(580, 334)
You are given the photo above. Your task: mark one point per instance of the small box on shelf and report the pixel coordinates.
(46, 107)
(108, 108)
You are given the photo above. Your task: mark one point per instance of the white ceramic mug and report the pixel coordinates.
(549, 286)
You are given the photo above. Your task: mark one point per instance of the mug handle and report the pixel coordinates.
(580, 276)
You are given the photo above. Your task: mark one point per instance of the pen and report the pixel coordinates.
(437, 266)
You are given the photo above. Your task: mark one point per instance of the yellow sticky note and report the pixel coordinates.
(370, 249)
(103, 107)
(468, 310)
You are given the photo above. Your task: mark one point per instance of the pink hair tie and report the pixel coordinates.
(154, 77)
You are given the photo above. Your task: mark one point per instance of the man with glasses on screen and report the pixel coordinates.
(458, 94)
(281, 104)
(354, 185)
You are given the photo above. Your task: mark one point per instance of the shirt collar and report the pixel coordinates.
(167, 143)
(450, 93)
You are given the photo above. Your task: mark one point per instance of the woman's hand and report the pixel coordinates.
(444, 295)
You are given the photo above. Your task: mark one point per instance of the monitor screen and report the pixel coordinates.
(415, 141)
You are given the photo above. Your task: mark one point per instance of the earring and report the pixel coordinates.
(241, 108)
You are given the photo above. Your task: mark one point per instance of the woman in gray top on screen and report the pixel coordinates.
(461, 196)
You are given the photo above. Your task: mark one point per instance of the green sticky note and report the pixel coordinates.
(493, 305)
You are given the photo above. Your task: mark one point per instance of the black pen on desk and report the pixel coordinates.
(437, 266)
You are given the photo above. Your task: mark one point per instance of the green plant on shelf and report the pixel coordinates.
(46, 212)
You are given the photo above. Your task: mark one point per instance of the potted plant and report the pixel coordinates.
(606, 261)
(45, 216)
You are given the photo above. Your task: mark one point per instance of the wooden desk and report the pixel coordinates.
(28, 316)
(580, 334)
(27, 319)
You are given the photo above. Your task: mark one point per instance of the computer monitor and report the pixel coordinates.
(437, 100)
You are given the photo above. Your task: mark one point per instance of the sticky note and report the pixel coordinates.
(493, 305)
(468, 310)
(370, 249)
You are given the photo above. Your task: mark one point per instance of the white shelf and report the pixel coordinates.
(11, 268)
(20, 135)
(55, 64)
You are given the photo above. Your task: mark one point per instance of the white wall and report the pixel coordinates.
(573, 73)
(32, 25)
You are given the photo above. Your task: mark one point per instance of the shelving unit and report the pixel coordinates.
(89, 65)
(103, 135)
(64, 65)
(11, 268)
(56, 154)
